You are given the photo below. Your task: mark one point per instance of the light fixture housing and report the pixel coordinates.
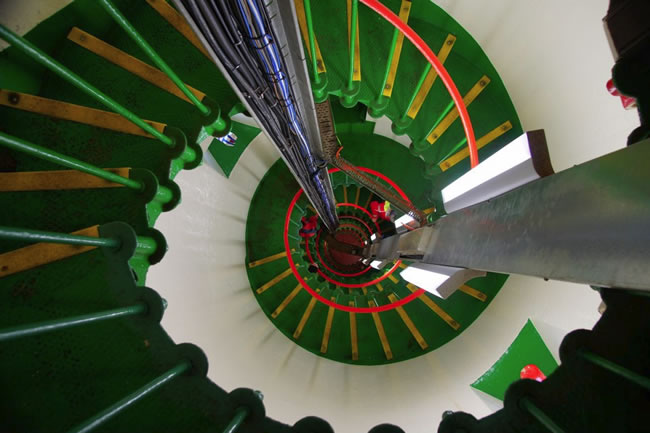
(523, 160)
(442, 281)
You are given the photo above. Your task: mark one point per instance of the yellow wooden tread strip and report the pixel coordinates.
(354, 342)
(74, 113)
(286, 301)
(269, 259)
(429, 210)
(345, 194)
(453, 114)
(356, 75)
(380, 330)
(57, 180)
(402, 265)
(328, 328)
(409, 323)
(356, 199)
(36, 255)
(393, 279)
(302, 21)
(481, 142)
(177, 21)
(274, 281)
(380, 287)
(130, 63)
(404, 10)
(305, 317)
(431, 77)
(435, 308)
(473, 292)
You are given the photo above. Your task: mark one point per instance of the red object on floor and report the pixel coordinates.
(531, 371)
(309, 226)
(628, 103)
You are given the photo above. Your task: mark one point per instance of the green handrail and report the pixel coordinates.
(389, 62)
(312, 40)
(540, 416)
(68, 322)
(616, 369)
(130, 399)
(29, 235)
(418, 86)
(40, 152)
(237, 420)
(353, 38)
(39, 56)
(153, 55)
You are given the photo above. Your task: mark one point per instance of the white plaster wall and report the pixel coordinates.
(20, 16)
(554, 59)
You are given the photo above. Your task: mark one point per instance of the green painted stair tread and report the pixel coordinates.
(527, 348)
(226, 156)
(67, 376)
(467, 63)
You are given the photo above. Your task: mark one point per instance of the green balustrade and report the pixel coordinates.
(237, 420)
(35, 236)
(153, 55)
(616, 369)
(69, 322)
(312, 41)
(43, 153)
(540, 416)
(43, 59)
(130, 399)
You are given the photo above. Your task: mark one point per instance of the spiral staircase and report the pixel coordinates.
(82, 347)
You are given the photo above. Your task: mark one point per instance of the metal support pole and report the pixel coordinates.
(617, 369)
(68, 322)
(130, 399)
(312, 40)
(19, 234)
(153, 55)
(237, 420)
(540, 416)
(43, 59)
(66, 161)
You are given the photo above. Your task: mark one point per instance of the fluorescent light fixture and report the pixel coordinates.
(373, 237)
(378, 264)
(442, 281)
(523, 160)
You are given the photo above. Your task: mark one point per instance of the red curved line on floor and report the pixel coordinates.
(352, 217)
(363, 237)
(437, 66)
(322, 299)
(340, 274)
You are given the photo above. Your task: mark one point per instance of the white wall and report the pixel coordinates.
(20, 16)
(554, 59)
